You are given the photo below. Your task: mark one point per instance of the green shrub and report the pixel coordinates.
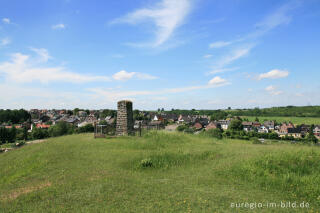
(189, 130)
(216, 133)
(256, 141)
(146, 163)
(182, 128)
(60, 128)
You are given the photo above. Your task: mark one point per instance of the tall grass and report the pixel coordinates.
(296, 173)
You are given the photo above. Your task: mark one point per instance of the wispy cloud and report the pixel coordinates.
(5, 41)
(223, 70)
(207, 56)
(6, 20)
(232, 56)
(22, 69)
(114, 94)
(280, 16)
(274, 74)
(167, 16)
(58, 26)
(124, 75)
(272, 90)
(218, 81)
(42, 53)
(219, 44)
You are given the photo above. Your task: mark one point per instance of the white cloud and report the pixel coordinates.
(222, 70)
(217, 81)
(234, 55)
(124, 75)
(144, 76)
(207, 56)
(274, 74)
(275, 19)
(5, 41)
(220, 44)
(42, 53)
(22, 69)
(279, 17)
(167, 15)
(6, 20)
(272, 90)
(115, 95)
(58, 26)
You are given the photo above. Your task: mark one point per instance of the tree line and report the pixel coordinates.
(14, 116)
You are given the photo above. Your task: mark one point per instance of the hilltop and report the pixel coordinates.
(166, 172)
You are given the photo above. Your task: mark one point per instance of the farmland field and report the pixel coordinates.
(294, 120)
(159, 172)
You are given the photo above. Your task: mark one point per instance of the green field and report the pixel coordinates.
(294, 120)
(160, 172)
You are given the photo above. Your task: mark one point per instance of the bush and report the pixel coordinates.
(38, 133)
(86, 128)
(216, 133)
(146, 163)
(61, 128)
(181, 128)
(189, 130)
(256, 141)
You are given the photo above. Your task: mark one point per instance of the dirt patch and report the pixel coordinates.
(15, 194)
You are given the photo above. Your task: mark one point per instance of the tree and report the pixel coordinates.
(311, 137)
(11, 136)
(236, 125)
(86, 128)
(3, 135)
(218, 115)
(75, 111)
(61, 128)
(38, 133)
(257, 119)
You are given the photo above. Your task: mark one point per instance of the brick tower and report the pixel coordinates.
(124, 118)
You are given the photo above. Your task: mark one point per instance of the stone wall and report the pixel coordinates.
(124, 118)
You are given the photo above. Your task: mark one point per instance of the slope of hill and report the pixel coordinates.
(163, 172)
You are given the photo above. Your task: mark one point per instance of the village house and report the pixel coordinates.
(184, 119)
(294, 132)
(197, 126)
(224, 124)
(304, 129)
(157, 118)
(171, 117)
(263, 129)
(110, 120)
(213, 125)
(256, 125)
(269, 124)
(289, 130)
(247, 126)
(82, 114)
(316, 131)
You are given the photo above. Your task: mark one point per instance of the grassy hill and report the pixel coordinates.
(160, 172)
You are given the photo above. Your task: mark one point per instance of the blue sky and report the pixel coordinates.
(203, 54)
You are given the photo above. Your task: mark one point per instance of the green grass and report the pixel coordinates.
(160, 172)
(294, 120)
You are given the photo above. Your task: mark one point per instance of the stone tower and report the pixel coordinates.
(124, 118)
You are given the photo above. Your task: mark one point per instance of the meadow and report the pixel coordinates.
(159, 172)
(294, 120)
